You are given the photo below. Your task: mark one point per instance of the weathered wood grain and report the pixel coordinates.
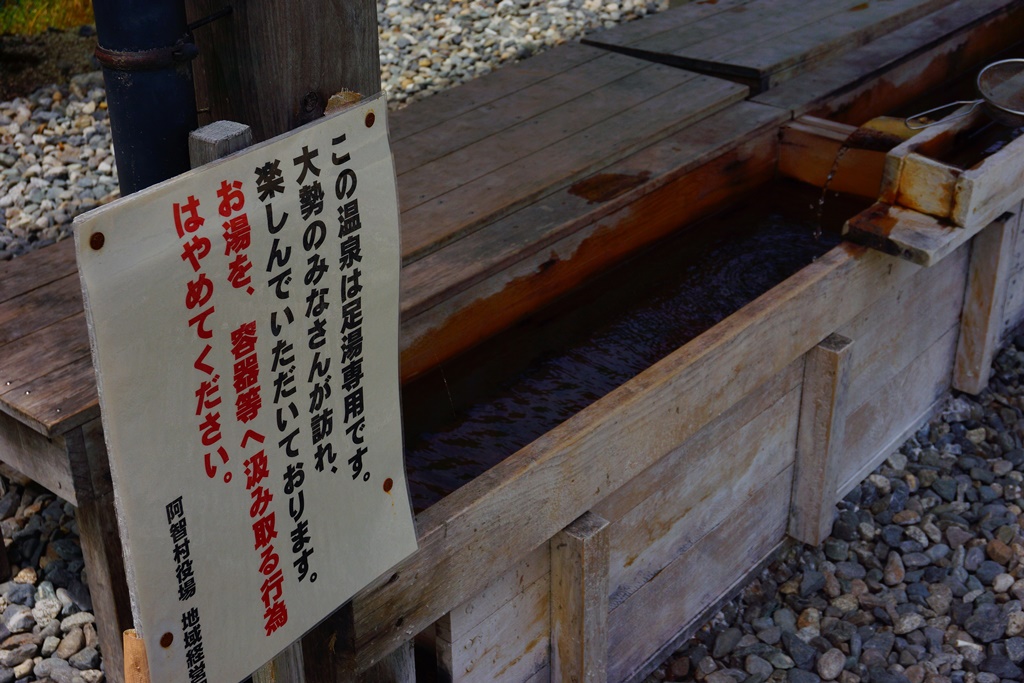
(36, 269)
(520, 107)
(678, 594)
(39, 307)
(823, 408)
(700, 485)
(58, 401)
(579, 601)
(982, 317)
(511, 644)
(902, 324)
(274, 68)
(875, 428)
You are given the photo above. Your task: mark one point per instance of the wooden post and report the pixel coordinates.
(822, 424)
(580, 555)
(981, 321)
(273, 65)
(101, 542)
(136, 663)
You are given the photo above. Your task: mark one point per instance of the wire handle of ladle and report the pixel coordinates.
(919, 126)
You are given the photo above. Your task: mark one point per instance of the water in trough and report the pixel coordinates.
(469, 415)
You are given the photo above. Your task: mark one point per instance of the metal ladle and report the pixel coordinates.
(1001, 86)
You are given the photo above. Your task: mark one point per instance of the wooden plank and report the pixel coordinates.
(450, 104)
(823, 407)
(480, 530)
(579, 601)
(487, 281)
(36, 269)
(446, 217)
(982, 317)
(39, 307)
(579, 79)
(58, 401)
(700, 486)
(680, 592)
(304, 58)
(41, 459)
(469, 615)
(913, 236)
(904, 64)
(772, 42)
(873, 428)
(512, 644)
(991, 188)
(903, 324)
(38, 353)
(809, 151)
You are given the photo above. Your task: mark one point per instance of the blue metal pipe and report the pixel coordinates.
(145, 48)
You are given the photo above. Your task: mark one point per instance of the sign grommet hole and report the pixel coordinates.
(370, 118)
(97, 240)
(388, 483)
(166, 640)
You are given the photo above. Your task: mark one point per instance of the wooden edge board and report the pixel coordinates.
(910, 235)
(43, 460)
(697, 381)
(927, 185)
(689, 14)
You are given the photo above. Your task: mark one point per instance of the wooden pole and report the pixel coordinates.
(136, 663)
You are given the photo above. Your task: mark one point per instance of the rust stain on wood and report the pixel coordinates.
(872, 140)
(603, 187)
(859, 8)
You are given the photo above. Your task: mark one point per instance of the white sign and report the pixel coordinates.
(244, 321)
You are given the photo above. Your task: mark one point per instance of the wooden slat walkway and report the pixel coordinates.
(485, 163)
(760, 42)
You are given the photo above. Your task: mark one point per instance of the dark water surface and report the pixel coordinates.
(469, 415)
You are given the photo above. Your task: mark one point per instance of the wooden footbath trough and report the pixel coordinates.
(593, 551)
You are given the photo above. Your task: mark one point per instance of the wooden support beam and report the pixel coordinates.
(329, 655)
(217, 140)
(981, 321)
(823, 409)
(579, 601)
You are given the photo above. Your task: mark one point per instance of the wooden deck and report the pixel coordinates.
(514, 189)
